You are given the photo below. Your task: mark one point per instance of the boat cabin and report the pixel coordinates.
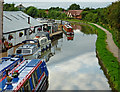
(29, 75)
(68, 29)
(8, 63)
(29, 47)
(44, 42)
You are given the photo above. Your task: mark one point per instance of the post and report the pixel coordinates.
(51, 29)
(1, 24)
(28, 29)
(42, 28)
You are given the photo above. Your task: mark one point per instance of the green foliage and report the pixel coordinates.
(108, 17)
(9, 7)
(42, 14)
(109, 61)
(56, 15)
(74, 7)
(56, 9)
(87, 29)
(32, 11)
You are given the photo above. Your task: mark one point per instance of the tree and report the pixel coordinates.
(74, 7)
(32, 11)
(56, 9)
(42, 14)
(9, 7)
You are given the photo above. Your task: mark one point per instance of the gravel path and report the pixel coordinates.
(110, 43)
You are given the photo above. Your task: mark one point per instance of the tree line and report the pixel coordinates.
(53, 12)
(109, 17)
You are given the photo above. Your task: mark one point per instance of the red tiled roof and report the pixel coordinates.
(75, 12)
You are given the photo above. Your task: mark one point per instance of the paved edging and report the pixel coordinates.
(110, 43)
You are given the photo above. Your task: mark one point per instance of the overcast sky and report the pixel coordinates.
(59, 1)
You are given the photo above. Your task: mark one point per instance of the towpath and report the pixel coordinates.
(110, 43)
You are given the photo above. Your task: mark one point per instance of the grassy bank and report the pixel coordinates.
(109, 61)
(115, 34)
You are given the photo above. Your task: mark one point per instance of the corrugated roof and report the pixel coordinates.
(17, 20)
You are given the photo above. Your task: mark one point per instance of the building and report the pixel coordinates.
(49, 25)
(74, 14)
(21, 7)
(18, 26)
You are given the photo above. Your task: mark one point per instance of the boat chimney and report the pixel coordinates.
(28, 20)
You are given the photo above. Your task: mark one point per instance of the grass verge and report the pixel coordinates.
(109, 61)
(114, 33)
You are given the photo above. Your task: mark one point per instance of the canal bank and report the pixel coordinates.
(107, 60)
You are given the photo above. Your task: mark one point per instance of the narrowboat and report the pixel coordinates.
(8, 63)
(28, 76)
(44, 42)
(68, 30)
(29, 47)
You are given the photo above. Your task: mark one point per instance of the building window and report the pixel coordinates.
(20, 34)
(25, 32)
(10, 37)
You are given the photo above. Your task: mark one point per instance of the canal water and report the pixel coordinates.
(74, 65)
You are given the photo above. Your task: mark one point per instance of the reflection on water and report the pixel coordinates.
(70, 37)
(74, 65)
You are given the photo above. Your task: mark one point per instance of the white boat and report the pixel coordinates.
(44, 42)
(29, 47)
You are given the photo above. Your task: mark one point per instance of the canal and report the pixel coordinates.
(74, 65)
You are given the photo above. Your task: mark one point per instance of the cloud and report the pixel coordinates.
(60, 0)
(80, 73)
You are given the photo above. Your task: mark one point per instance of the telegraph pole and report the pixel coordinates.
(1, 23)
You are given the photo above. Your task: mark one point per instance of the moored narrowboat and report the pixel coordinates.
(29, 47)
(7, 64)
(29, 75)
(44, 42)
(68, 30)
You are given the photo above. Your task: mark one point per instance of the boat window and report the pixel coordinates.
(1, 76)
(19, 51)
(35, 79)
(27, 86)
(45, 40)
(20, 90)
(40, 70)
(42, 41)
(26, 51)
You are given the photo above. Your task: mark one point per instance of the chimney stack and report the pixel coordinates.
(28, 20)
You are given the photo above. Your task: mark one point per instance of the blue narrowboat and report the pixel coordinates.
(29, 75)
(8, 63)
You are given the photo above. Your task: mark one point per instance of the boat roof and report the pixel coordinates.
(30, 40)
(24, 69)
(6, 61)
(68, 26)
(27, 46)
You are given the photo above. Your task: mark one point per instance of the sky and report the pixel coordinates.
(59, 1)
